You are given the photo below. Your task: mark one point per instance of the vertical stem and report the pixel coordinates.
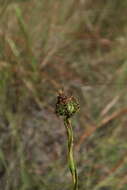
(71, 161)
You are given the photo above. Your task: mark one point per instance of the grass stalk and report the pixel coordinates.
(71, 162)
(67, 106)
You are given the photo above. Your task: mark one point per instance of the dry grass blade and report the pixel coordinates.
(109, 106)
(112, 172)
(92, 129)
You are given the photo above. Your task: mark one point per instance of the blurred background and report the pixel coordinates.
(80, 46)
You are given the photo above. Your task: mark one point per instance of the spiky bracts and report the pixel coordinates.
(66, 106)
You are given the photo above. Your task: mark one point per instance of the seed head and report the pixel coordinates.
(66, 106)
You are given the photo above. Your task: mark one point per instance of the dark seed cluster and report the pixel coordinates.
(66, 106)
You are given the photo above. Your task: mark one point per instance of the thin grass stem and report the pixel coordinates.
(71, 162)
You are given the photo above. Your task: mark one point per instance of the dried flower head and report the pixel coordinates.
(66, 106)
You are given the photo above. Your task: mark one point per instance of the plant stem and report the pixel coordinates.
(71, 162)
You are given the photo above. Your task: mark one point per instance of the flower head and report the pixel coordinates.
(66, 106)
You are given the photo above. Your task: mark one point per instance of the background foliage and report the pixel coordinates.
(80, 46)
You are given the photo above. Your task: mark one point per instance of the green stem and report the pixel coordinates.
(71, 161)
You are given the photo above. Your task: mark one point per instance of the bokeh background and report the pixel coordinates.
(81, 47)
